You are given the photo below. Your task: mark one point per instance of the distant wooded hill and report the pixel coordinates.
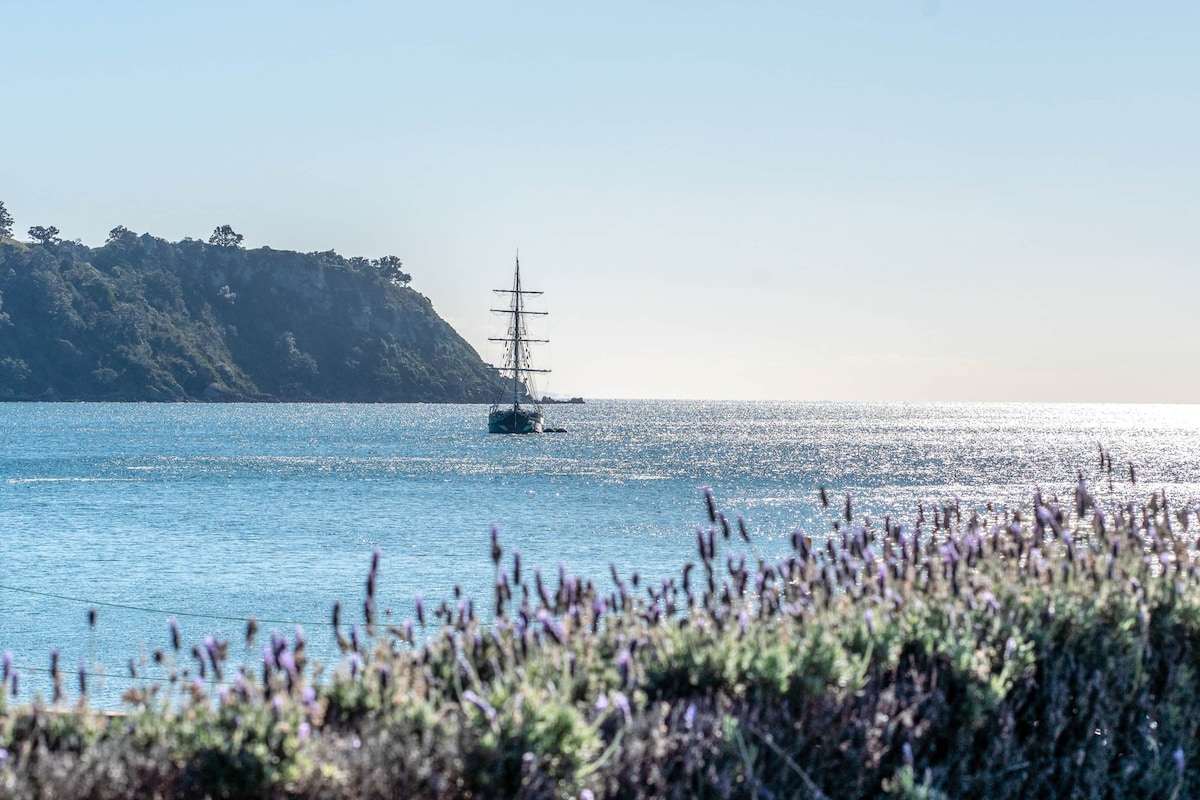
(145, 319)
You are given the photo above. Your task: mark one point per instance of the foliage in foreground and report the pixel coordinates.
(1050, 652)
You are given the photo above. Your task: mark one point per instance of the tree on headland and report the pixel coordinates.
(391, 268)
(225, 236)
(6, 222)
(43, 234)
(121, 236)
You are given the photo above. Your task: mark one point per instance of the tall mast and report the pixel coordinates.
(515, 341)
(516, 323)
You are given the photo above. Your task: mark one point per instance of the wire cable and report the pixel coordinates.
(148, 610)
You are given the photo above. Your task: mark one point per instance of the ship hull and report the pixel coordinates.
(515, 420)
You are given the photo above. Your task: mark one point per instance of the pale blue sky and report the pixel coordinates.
(901, 200)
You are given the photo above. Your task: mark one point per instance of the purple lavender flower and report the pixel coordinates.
(288, 662)
(1083, 498)
(689, 716)
(210, 647)
(552, 626)
(420, 602)
(173, 626)
(991, 602)
(602, 702)
(3, 758)
(541, 587)
(623, 665)
(308, 696)
(483, 705)
(1179, 762)
(303, 732)
(7, 666)
(908, 754)
(1045, 519)
(300, 640)
(710, 504)
(622, 704)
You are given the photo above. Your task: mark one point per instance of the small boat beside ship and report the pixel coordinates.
(508, 414)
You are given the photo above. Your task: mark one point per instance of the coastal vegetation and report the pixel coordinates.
(1051, 650)
(141, 318)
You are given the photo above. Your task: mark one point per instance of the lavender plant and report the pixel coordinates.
(1052, 650)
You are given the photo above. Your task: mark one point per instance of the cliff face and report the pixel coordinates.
(146, 319)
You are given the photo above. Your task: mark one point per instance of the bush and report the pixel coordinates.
(1049, 652)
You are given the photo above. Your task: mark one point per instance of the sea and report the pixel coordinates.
(212, 514)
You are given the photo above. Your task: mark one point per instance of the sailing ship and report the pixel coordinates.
(507, 414)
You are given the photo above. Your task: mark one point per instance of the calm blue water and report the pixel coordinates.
(274, 510)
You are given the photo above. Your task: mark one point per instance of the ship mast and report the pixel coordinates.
(516, 342)
(517, 304)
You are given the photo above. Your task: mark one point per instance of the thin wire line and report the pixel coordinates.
(85, 601)
(106, 676)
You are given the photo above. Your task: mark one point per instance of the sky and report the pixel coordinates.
(747, 200)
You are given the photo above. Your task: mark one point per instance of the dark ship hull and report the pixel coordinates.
(515, 420)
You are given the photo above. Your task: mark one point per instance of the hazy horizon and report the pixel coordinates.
(913, 201)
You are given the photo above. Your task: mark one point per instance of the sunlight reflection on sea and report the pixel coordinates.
(273, 510)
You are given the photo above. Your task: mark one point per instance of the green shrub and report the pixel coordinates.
(985, 659)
